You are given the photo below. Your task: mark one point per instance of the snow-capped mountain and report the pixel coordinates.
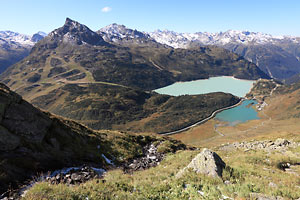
(183, 40)
(15, 46)
(120, 34)
(278, 56)
(20, 39)
(115, 32)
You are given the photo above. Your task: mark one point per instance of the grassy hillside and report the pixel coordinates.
(103, 106)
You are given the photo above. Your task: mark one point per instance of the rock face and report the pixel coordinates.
(207, 162)
(76, 33)
(33, 141)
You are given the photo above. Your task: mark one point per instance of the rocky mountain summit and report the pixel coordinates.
(120, 34)
(73, 32)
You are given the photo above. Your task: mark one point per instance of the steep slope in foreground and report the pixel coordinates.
(33, 141)
(74, 53)
(103, 106)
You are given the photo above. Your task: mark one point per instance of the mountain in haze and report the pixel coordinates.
(15, 46)
(276, 56)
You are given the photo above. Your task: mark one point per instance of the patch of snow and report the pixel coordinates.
(108, 161)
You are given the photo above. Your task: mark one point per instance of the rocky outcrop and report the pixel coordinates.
(150, 158)
(207, 162)
(75, 175)
(279, 144)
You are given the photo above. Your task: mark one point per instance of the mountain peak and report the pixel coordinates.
(38, 36)
(75, 33)
(73, 24)
(121, 34)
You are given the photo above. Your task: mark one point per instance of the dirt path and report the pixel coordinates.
(157, 66)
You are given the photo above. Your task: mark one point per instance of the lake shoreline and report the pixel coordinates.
(203, 120)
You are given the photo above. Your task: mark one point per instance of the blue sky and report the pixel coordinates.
(277, 17)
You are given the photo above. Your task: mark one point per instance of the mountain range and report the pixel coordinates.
(277, 56)
(15, 46)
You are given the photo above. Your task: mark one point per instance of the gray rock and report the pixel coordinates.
(207, 162)
(282, 142)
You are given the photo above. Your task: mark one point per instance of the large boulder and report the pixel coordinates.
(207, 162)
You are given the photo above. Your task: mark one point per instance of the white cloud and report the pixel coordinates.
(106, 9)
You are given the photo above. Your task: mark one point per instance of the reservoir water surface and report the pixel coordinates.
(239, 114)
(226, 84)
(233, 116)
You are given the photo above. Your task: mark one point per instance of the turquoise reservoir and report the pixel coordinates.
(226, 84)
(239, 114)
(238, 87)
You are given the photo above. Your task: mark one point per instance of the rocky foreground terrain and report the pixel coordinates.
(234, 171)
(34, 142)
